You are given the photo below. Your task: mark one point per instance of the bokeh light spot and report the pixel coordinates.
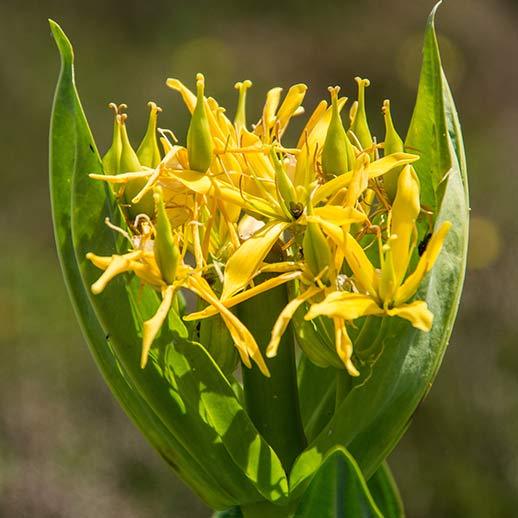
(485, 243)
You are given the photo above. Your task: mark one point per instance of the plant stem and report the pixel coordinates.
(273, 403)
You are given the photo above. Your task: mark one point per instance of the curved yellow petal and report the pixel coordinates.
(284, 318)
(349, 306)
(243, 339)
(375, 169)
(209, 311)
(153, 325)
(425, 264)
(344, 346)
(339, 215)
(405, 210)
(417, 313)
(246, 260)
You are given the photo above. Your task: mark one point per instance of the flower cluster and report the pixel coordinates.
(236, 212)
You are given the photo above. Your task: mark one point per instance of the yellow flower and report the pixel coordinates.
(238, 205)
(386, 291)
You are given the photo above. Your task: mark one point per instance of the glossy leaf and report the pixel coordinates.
(400, 365)
(385, 493)
(180, 431)
(338, 489)
(68, 126)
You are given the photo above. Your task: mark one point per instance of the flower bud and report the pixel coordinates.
(148, 152)
(283, 183)
(111, 159)
(129, 163)
(359, 125)
(337, 147)
(315, 247)
(165, 249)
(199, 141)
(393, 144)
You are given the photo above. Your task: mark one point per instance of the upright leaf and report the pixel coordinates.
(68, 126)
(403, 361)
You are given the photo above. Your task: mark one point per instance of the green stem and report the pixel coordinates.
(273, 403)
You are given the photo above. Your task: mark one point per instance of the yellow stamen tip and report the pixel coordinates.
(362, 83)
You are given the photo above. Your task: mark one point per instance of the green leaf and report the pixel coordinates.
(400, 365)
(229, 475)
(427, 133)
(385, 492)
(68, 126)
(338, 489)
(317, 394)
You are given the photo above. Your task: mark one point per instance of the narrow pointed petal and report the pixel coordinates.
(154, 324)
(348, 306)
(247, 259)
(245, 295)
(375, 169)
(405, 211)
(285, 317)
(425, 264)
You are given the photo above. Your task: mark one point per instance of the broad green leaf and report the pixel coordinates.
(67, 127)
(402, 362)
(338, 489)
(317, 395)
(385, 493)
(212, 458)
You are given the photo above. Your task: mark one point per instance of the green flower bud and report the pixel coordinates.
(148, 152)
(216, 338)
(360, 126)
(393, 144)
(199, 140)
(240, 118)
(315, 247)
(165, 249)
(338, 150)
(284, 185)
(111, 160)
(129, 163)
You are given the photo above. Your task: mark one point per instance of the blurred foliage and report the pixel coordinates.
(66, 449)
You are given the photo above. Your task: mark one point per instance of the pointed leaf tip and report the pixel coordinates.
(63, 43)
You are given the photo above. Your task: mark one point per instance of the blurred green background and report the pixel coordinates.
(66, 449)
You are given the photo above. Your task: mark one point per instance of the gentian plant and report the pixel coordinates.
(269, 314)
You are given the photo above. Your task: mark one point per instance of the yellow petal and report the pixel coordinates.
(193, 180)
(289, 106)
(246, 260)
(118, 264)
(405, 210)
(245, 295)
(417, 313)
(312, 121)
(273, 98)
(348, 306)
(284, 318)
(339, 215)
(425, 264)
(364, 272)
(359, 180)
(243, 339)
(344, 346)
(375, 169)
(153, 325)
